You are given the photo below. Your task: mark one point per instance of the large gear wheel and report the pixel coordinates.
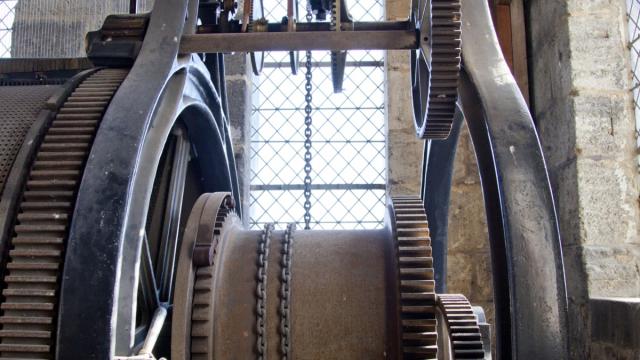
(192, 329)
(435, 66)
(417, 283)
(36, 255)
(460, 324)
(339, 15)
(253, 21)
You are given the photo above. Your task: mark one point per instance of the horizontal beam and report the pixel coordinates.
(311, 40)
(359, 63)
(289, 187)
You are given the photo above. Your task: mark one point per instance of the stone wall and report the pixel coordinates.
(239, 88)
(56, 29)
(582, 104)
(404, 151)
(468, 261)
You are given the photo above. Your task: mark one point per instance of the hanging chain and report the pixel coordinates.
(307, 134)
(261, 290)
(285, 292)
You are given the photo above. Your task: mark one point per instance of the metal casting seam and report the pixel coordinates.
(33, 270)
(285, 292)
(261, 289)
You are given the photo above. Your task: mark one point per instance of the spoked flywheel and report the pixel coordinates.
(435, 66)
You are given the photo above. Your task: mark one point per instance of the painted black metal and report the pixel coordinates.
(528, 271)
(104, 49)
(103, 238)
(437, 172)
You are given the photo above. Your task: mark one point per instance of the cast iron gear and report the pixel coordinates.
(465, 338)
(435, 66)
(192, 331)
(416, 279)
(339, 14)
(36, 255)
(253, 18)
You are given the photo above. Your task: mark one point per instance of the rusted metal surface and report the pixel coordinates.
(416, 279)
(461, 325)
(345, 40)
(32, 276)
(435, 66)
(329, 294)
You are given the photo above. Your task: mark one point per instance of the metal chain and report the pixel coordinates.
(285, 294)
(307, 133)
(261, 290)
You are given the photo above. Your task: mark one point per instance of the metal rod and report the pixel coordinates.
(147, 278)
(171, 225)
(364, 63)
(159, 317)
(323, 26)
(271, 187)
(344, 40)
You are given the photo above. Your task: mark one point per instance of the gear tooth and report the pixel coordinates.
(462, 323)
(34, 266)
(416, 280)
(203, 291)
(445, 59)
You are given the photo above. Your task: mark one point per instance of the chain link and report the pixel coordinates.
(285, 294)
(307, 133)
(307, 146)
(261, 290)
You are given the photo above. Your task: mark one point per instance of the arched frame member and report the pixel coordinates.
(526, 253)
(97, 316)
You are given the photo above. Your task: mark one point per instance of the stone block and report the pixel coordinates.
(604, 126)
(564, 183)
(584, 7)
(237, 64)
(460, 279)
(397, 9)
(613, 270)
(556, 127)
(602, 35)
(404, 162)
(465, 169)
(608, 202)
(483, 290)
(467, 221)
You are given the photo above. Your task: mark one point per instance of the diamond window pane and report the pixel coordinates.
(348, 137)
(633, 15)
(7, 15)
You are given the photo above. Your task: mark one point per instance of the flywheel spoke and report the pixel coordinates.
(173, 211)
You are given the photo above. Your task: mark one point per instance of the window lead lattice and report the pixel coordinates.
(7, 16)
(633, 16)
(349, 173)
